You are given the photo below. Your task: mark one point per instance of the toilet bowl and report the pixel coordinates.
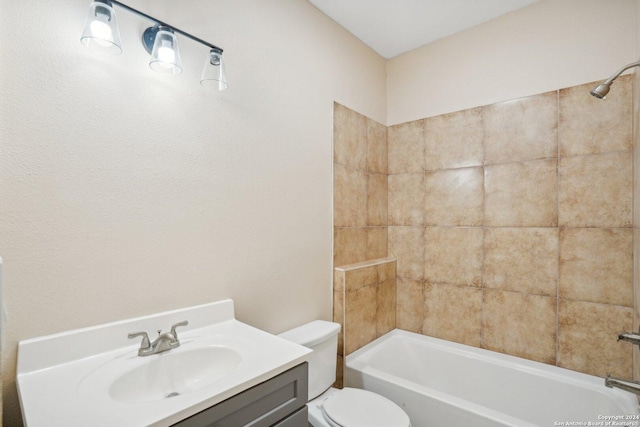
(332, 407)
(352, 407)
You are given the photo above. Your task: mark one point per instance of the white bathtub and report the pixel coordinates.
(444, 384)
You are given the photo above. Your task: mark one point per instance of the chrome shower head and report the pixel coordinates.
(602, 89)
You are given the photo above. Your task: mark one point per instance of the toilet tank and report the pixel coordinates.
(322, 337)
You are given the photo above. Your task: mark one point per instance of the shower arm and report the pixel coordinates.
(620, 71)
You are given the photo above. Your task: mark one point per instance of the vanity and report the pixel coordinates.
(214, 371)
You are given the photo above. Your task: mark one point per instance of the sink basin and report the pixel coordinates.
(197, 364)
(168, 374)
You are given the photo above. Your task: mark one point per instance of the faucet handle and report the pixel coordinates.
(145, 344)
(173, 328)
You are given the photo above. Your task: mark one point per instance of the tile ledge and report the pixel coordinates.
(365, 264)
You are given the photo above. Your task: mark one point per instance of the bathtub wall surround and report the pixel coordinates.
(519, 215)
(512, 227)
(360, 187)
(364, 279)
(364, 303)
(516, 214)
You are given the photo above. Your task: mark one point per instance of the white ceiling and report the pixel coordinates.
(392, 27)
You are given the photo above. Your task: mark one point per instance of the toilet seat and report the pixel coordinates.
(351, 407)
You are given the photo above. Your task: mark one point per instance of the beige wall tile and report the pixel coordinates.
(338, 317)
(360, 277)
(596, 191)
(386, 310)
(596, 265)
(453, 313)
(454, 197)
(406, 244)
(587, 335)
(360, 318)
(339, 373)
(387, 271)
(406, 199)
(454, 140)
(589, 125)
(349, 245)
(409, 305)
(349, 137)
(349, 197)
(520, 325)
(376, 242)
(406, 147)
(377, 199)
(521, 129)
(453, 255)
(521, 194)
(376, 147)
(521, 259)
(338, 280)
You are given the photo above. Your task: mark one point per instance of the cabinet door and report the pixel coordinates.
(299, 419)
(263, 405)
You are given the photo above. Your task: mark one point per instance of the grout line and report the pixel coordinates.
(423, 280)
(564, 227)
(557, 353)
(484, 230)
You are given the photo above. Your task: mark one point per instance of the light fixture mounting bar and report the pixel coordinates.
(157, 21)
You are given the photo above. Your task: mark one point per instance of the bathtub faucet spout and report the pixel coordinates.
(630, 386)
(629, 337)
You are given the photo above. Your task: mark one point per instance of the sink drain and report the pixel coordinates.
(173, 394)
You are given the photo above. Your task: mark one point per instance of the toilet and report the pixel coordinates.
(331, 407)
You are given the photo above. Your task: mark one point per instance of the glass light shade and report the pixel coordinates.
(165, 56)
(213, 74)
(101, 31)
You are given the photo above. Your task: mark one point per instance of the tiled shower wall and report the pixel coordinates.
(360, 187)
(364, 292)
(511, 223)
(512, 227)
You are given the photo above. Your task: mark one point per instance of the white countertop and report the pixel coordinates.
(58, 384)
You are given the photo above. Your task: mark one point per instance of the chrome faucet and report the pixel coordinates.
(630, 386)
(631, 337)
(164, 342)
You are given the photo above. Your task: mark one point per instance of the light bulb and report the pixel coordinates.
(102, 33)
(166, 55)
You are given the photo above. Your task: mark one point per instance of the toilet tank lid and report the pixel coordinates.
(312, 333)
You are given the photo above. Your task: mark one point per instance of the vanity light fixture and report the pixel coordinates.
(101, 33)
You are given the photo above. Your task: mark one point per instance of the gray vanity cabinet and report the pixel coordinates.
(277, 402)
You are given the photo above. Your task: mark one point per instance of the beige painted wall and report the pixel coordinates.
(546, 46)
(124, 193)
